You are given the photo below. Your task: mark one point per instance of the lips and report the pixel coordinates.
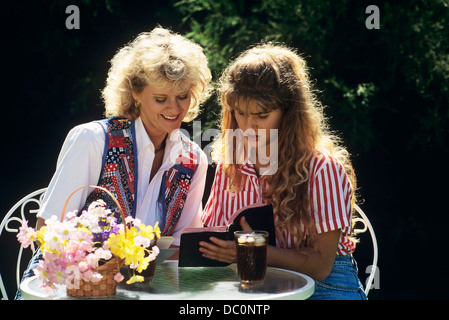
(252, 137)
(170, 117)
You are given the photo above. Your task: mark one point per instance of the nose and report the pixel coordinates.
(174, 105)
(251, 122)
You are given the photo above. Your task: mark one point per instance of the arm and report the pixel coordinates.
(317, 264)
(330, 181)
(314, 263)
(40, 223)
(79, 164)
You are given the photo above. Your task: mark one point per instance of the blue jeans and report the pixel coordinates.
(342, 283)
(28, 273)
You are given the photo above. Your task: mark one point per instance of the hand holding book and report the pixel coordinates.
(257, 216)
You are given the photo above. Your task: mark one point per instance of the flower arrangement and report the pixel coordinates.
(75, 247)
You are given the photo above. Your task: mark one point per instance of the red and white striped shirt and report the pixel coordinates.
(329, 188)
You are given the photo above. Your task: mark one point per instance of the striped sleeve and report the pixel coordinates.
(331, 194)
(208, 217)
(222, 204)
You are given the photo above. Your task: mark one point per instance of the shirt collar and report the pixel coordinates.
(249, 170)
(173, 144)
(142, 138)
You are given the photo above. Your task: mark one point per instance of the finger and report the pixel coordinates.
(222, 243)
(225, 253)
(245, 226)
(219, 256)
(225, 248)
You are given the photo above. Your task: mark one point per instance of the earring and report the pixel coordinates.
(136, 104)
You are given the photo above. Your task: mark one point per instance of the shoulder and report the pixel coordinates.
(86, 132)
(84, 141)
(116, 123)
(323, 163)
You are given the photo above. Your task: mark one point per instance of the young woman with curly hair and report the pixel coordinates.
(267, 94)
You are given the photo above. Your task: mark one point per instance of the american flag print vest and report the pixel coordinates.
(119, 174)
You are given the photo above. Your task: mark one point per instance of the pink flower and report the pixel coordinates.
(92, 260)
(72, 283)
(154, 252)
(87, 275)
(96, 277)
(83, 266)
(119, 277)
(26, 234)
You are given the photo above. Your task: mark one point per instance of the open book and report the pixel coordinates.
(259, 216)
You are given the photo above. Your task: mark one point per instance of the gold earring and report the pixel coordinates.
(136, 104)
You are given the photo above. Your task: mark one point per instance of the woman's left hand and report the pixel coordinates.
(219, 250)
(222, 250)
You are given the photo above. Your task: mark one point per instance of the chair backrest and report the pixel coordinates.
(362, 218)
(21, 210)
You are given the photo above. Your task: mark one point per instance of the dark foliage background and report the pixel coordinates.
(386, 92)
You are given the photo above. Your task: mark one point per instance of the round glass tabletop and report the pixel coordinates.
(196, 283)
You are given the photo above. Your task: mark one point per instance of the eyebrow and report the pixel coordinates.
(257, 113)
(166, 95)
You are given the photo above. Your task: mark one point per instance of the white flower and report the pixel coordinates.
(52, 221)
(103, 254)
(142, 241)
(53, 240)
(129, 219)
(65, 229)
(71, 215)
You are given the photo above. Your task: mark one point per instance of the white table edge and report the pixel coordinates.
(298, 294)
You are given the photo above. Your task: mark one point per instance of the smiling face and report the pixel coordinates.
(162, 109)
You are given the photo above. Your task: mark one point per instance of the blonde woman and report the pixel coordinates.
(155, 82)
(267, 94)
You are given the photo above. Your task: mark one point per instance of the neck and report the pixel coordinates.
(159, 143)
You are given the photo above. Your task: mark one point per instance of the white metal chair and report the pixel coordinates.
(363, 219)
(21, 210)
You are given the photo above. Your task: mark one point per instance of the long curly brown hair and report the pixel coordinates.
(276, 77)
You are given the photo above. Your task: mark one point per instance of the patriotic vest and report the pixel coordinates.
(119, 174)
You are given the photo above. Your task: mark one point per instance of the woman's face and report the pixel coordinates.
(162, 109)
(260, 122)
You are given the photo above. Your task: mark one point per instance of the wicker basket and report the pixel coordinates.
(107, 286)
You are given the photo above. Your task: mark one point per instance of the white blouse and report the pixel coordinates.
(80, 164)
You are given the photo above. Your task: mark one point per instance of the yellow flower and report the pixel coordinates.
(134, 254)
(41, 233)
(134, 279)
(146, 231)
(157, 231)
(124, 246)
(143, 264)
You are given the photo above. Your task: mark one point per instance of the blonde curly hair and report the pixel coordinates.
(156, 58)
(276, 77)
